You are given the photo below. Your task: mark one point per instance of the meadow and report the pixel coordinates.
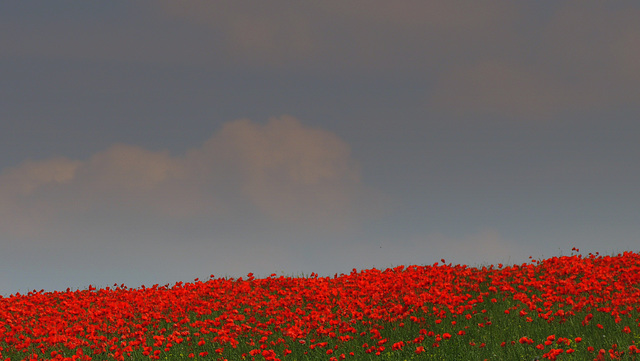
(562, 308)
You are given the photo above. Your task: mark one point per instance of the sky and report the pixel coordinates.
(153, 142)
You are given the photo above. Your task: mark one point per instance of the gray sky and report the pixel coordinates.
(155, 142)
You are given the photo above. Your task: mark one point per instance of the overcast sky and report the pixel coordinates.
(152, 142)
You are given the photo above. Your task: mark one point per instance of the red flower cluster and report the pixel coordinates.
(270, 317)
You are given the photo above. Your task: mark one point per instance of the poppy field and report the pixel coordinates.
(562, 308)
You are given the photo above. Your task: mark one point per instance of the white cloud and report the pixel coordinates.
(283, 171)
(20, 188)
(290, 172)
(271, 34)
(31, 175)
(356, 34)
(583, 58)
(130, 168)
(421, 15)
(495, 57)
(505, 89)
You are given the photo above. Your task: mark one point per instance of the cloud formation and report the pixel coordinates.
(500, 58)
(493, 58)
(580, 57)
(281, 171)
(356, 34)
